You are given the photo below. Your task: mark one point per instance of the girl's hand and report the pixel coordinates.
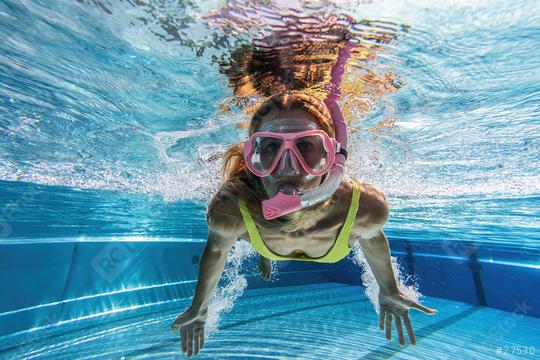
(191, 325)
(396, 305)
(264, 267)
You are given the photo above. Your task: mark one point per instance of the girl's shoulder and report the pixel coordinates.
(223, 214)
(372, 206)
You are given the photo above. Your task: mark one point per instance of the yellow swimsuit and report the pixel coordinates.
(338, 251)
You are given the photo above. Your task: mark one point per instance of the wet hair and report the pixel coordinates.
(293, 100)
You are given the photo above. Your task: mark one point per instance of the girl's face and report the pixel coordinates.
(289, 176)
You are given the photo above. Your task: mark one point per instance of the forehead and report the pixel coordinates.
(288, 120)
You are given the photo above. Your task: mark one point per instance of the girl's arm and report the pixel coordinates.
(393, 304)
(223, 230)
(211, 268)
(372, 214)
(377, 253)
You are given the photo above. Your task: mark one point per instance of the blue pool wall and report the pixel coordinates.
(43, 283)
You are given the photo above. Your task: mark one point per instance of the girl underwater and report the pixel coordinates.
(283, 189)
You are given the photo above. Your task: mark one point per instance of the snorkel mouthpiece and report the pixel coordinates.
(283, 204)
(280, 205)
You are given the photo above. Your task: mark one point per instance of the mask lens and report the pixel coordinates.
(313, 152)
(264, 154)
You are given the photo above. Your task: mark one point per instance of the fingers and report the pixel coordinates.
(422, 308)
(409, 328)
(201, 339)
(184, 340)
(265, 274)
(176, 325)
(189, 339)
(399, 329)
(386, 316)
(196, 342)
(265, 270)
(389, 326)
(192, 339)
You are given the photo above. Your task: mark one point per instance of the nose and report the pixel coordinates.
(288, 165)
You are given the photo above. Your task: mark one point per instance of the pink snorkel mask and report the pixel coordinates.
(312, 150)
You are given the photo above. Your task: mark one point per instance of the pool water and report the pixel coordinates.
(112, 118)
(322, 321)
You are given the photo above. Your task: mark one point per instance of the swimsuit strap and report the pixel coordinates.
(255, 237)
(342, 242)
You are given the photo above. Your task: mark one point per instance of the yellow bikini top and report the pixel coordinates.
(338, 251)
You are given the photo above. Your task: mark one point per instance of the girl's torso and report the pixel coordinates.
(317, 233)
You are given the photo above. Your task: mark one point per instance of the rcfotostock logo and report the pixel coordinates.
(113, 260)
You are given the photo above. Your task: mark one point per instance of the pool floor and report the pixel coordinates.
(322, 321)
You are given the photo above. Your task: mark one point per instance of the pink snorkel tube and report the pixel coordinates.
(283, 204)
